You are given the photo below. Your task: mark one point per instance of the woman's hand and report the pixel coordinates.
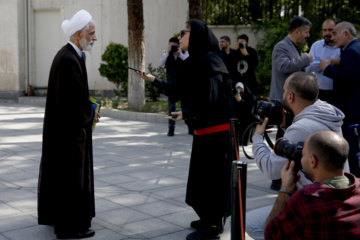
(237, 97)
(178, 118)
(146, 76)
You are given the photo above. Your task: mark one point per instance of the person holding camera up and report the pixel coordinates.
(172, 60)
(244, 107)
(329, 208)
(246, 60)
(310, 115)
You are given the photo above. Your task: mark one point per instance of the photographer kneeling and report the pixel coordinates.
(327, 209)
(310, 115)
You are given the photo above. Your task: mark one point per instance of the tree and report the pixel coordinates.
(195, 9)
(136, 36)
(116, 58)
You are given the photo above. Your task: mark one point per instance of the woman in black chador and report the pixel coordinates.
(204, 89)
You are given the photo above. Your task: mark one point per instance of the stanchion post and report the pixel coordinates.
(238, 200)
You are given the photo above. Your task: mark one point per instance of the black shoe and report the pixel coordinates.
(171, 132)
(208, 233)
(77, 235)
(276, 184)
(200, 225)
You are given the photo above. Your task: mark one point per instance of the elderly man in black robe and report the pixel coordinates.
(66, 183)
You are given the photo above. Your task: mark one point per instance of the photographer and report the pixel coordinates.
(246, 60)
(172, 60)
(244, 107)
(310, 115)
(327, 209)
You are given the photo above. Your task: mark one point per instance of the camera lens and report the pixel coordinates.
(292, 151)
(174, 48)
(242, 45)
(271, 110)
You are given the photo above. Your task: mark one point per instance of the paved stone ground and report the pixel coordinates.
(140, 179)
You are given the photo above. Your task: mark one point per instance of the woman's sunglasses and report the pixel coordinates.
(182, 32)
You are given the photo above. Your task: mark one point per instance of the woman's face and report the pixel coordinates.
(184, 38)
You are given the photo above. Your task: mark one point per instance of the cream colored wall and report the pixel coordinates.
(47, 41)
(162, 19)
(10, 46)
(221, 30)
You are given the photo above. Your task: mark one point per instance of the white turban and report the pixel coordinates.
(76, 23)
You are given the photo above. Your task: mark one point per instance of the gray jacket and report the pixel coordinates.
(316, 117)
(285, 61)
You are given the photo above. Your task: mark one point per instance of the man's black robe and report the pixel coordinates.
(66, 183)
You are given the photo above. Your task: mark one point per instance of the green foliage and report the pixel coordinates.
(116, 57)
(150, 106)
(236, 12)
(107, 103)
(159, 72)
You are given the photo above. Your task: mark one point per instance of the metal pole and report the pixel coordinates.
(238, 200)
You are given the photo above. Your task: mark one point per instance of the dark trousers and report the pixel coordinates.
(172, 108)
(354, 156)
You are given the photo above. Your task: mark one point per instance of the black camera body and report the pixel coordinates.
(292, 151)
(174, 48)
(272, 110)
(242, 45)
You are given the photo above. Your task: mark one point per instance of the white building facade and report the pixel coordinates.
(31, 35)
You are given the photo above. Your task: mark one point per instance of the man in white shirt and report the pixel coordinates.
(172, 60)
(324, 49)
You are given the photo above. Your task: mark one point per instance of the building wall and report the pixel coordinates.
(221, 30)
(11, 48)
(161, 18)
(31, 35)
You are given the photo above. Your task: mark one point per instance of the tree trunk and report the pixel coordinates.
(136, 38)
(195, 9)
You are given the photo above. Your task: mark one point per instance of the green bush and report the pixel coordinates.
(116, 57)
(159, 72)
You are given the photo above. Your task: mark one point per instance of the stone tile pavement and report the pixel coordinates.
(140, 178)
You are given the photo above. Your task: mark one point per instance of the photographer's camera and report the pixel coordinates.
(292, 151)
(272, 110)
(242, 45)
(174, 48)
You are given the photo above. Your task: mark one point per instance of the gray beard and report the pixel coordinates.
(85, 45)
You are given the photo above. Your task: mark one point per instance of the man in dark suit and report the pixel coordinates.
(346, 75)
(66, 179)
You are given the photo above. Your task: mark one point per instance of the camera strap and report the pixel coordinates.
(266, 136)
(243, 136)
(268, 140)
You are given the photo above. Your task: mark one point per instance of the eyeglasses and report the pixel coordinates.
(182, 32)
